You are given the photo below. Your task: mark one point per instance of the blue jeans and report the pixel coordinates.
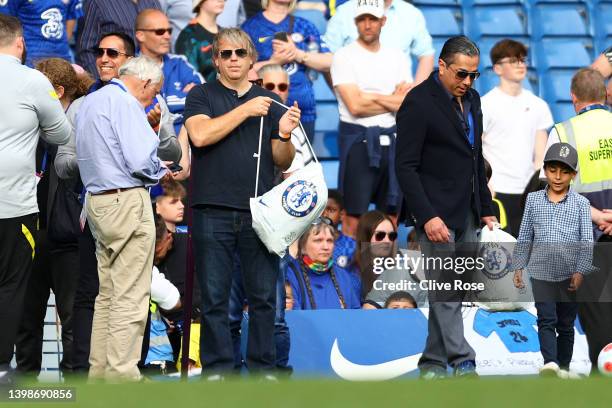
(238, 300)
(557, 310)
(218, 234)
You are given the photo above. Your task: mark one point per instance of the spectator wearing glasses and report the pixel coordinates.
(376, 242)
(153, 32)
(48, 26)
(195, 40)
(295, 43)
(440, 169)
(316, 283)
(515, 124)
(102, 17)
(370, 81)
(223, 119)
(275, 79)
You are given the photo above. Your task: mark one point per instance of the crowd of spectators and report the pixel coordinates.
(134, 113)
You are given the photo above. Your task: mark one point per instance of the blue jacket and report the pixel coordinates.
(177, 74)
(323, 289)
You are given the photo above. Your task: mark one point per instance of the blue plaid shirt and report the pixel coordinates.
(555, 239)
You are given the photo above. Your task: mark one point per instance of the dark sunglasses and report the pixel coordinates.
(461, 74)
(380, 235)
(157, 31)
(282, 87)
(227, 54)
(111, 52)
(322, 220)
(258, 82)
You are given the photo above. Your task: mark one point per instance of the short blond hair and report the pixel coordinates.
(237, 36)
(588, 85)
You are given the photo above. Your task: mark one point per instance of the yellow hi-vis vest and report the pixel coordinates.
(591, 134)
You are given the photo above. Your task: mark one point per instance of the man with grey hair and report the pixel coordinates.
(29, 108)
(440, 169)
(117, 158)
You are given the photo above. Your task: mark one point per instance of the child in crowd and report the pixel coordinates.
(400, 300)
(344, 248)
(554, 246)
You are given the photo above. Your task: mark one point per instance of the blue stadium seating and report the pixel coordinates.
(504, 20)
(563, 53)
(602, 16)
(322, 91)
(326, 145)
(562, 111)
(438, 42)
(327, 117)
(419, 3)
(315, 17)
(330, 172)
(556, 85)
(468, 3)
(560, 20)
(443, 21)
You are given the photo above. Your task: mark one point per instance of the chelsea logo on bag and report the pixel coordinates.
(300, 198)
(497, 260)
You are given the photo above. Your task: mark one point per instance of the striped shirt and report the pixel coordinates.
(105, 16)
(555, 239)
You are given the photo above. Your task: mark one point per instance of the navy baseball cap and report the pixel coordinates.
(562, 153)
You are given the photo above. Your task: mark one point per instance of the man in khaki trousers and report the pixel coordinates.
(117, 157)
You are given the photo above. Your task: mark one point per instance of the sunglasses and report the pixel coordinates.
(227, 54)
(380, 235)
(462, 74)
(111, 52)
(513, 61)
(322, 220)
(258, 82)
(282, 87)
(157, 31)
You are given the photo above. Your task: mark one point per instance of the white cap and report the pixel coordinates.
(373, 7)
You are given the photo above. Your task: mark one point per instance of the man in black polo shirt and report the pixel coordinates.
(223, 121)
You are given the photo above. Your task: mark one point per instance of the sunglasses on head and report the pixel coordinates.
(157, 31)
(227, 54)
(380, 235)
(282, 87)
(111, 52)
(322, 220)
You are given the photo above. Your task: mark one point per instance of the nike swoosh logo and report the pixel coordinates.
(262, 203)
(376, 372)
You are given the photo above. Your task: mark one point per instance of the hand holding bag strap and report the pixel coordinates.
(258, 154)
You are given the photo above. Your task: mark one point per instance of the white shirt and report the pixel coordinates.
(510, 126)
(376, 72)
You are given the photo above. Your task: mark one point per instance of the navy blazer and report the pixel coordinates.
(439, 172)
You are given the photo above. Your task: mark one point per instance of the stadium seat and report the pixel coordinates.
(326, 145)
(602, 17)
(322, 91)
(562, 111)
(327, 117)
(419, 3)
(438, 43)
(504, 20)
(486, 43)
(443, 21)
(315, 17)
(330, 172)
(556, 85)
(560, 20)
(563, 53)
(467, 3)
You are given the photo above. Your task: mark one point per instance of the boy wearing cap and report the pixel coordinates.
(554, 245)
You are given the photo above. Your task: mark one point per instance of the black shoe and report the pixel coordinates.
(466, 369)
(432, 373)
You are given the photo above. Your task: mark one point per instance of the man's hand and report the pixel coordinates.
(575, 282)
(154, 116)
(490, 221)
(286, 49)
(257, 106)
(436, 230)
(188, 87)
(290, 119)
(604, 223)
(518, 279)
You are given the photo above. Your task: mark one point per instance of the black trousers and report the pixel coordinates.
(514, 211)
(84, 300)
(55, 268)
(17, 249)
(595, 307)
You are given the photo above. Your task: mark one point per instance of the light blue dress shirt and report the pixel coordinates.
(116, 147)
(405, 29)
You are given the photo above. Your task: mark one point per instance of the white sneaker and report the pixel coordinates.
(550, 369)
(568, 375)
(215, 378)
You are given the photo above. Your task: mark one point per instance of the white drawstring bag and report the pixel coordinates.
(496, 250)
(281, 215)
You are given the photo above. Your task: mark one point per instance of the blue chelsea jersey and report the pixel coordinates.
(44, 25)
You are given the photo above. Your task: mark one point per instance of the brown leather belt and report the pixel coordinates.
(116, 190)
